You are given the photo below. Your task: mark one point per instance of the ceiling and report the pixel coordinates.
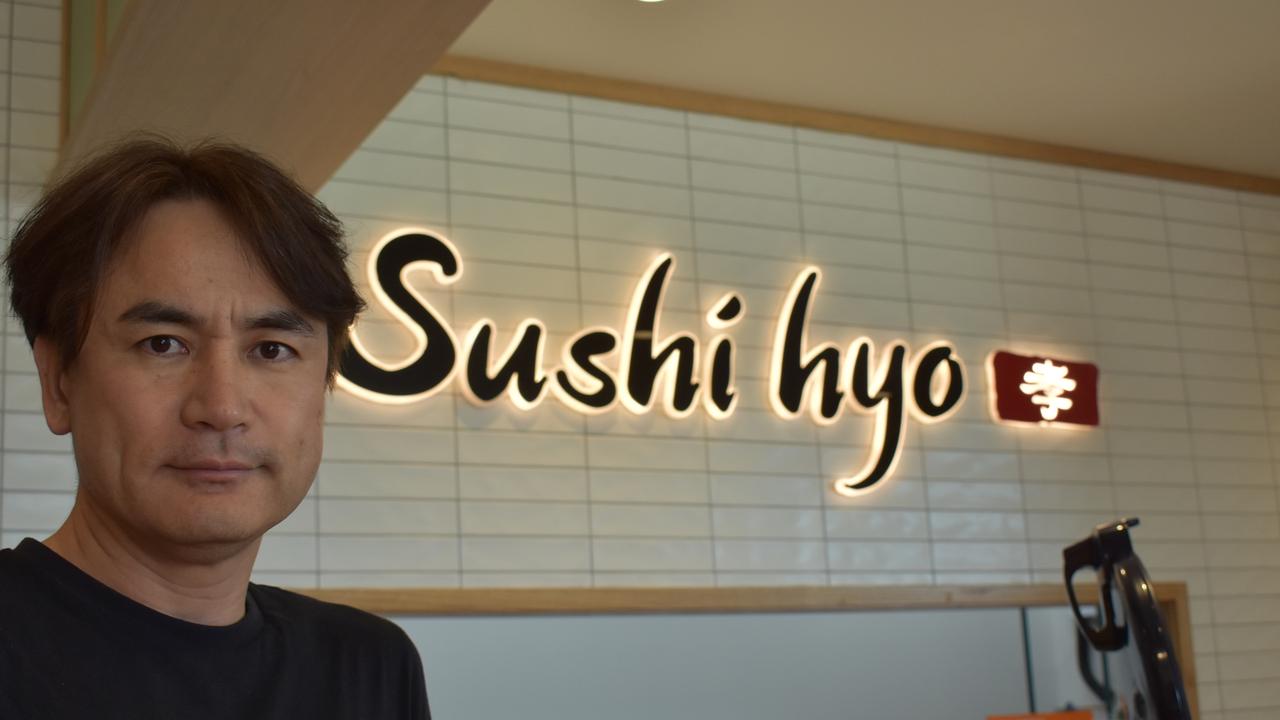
(1184, 81)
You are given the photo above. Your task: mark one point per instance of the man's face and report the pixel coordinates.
(196, 405)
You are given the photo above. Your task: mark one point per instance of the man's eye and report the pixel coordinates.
(164, 345)
(274, 351)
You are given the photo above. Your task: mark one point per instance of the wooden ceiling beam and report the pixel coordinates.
(301, 81)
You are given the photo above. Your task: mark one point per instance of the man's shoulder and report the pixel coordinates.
(328, 621)
(11, 581)
(18, 579)
(10, 562)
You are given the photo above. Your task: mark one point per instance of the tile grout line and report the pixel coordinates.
(1266, 419)
(1193, 456)
(585, 421)
(452, 294)
(998, 254)
(818, 442)
(697, 292)
(1106, 434)
(911, 328)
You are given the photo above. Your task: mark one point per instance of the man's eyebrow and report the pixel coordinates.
(286, 320)
(152, 311)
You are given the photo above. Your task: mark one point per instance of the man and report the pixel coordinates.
(187, 310)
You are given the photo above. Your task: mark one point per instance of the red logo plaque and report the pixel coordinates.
(1042, 390)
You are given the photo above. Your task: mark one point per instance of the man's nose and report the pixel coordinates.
(217, 395)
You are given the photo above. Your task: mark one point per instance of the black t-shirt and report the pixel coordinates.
(70, 647)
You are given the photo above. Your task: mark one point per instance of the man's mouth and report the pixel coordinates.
(213, 471)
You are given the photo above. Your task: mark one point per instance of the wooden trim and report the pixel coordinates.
(1175, 604)
(627, 600)
(605, 601)
(681, 99)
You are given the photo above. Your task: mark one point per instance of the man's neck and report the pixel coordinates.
(209, 590)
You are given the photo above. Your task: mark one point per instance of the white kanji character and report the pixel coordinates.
(1046, 383)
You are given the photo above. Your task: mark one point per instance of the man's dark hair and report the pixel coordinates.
(63, 248)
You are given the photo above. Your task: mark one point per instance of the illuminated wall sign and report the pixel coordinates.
(1042, 391)
(675, 370)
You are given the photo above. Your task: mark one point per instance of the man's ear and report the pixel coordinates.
(57, 411)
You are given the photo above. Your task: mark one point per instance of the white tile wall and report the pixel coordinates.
(556, 202)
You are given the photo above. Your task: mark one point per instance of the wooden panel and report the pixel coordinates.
(533, 601)
(598, 601)
(681, 99)
(303, 81)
